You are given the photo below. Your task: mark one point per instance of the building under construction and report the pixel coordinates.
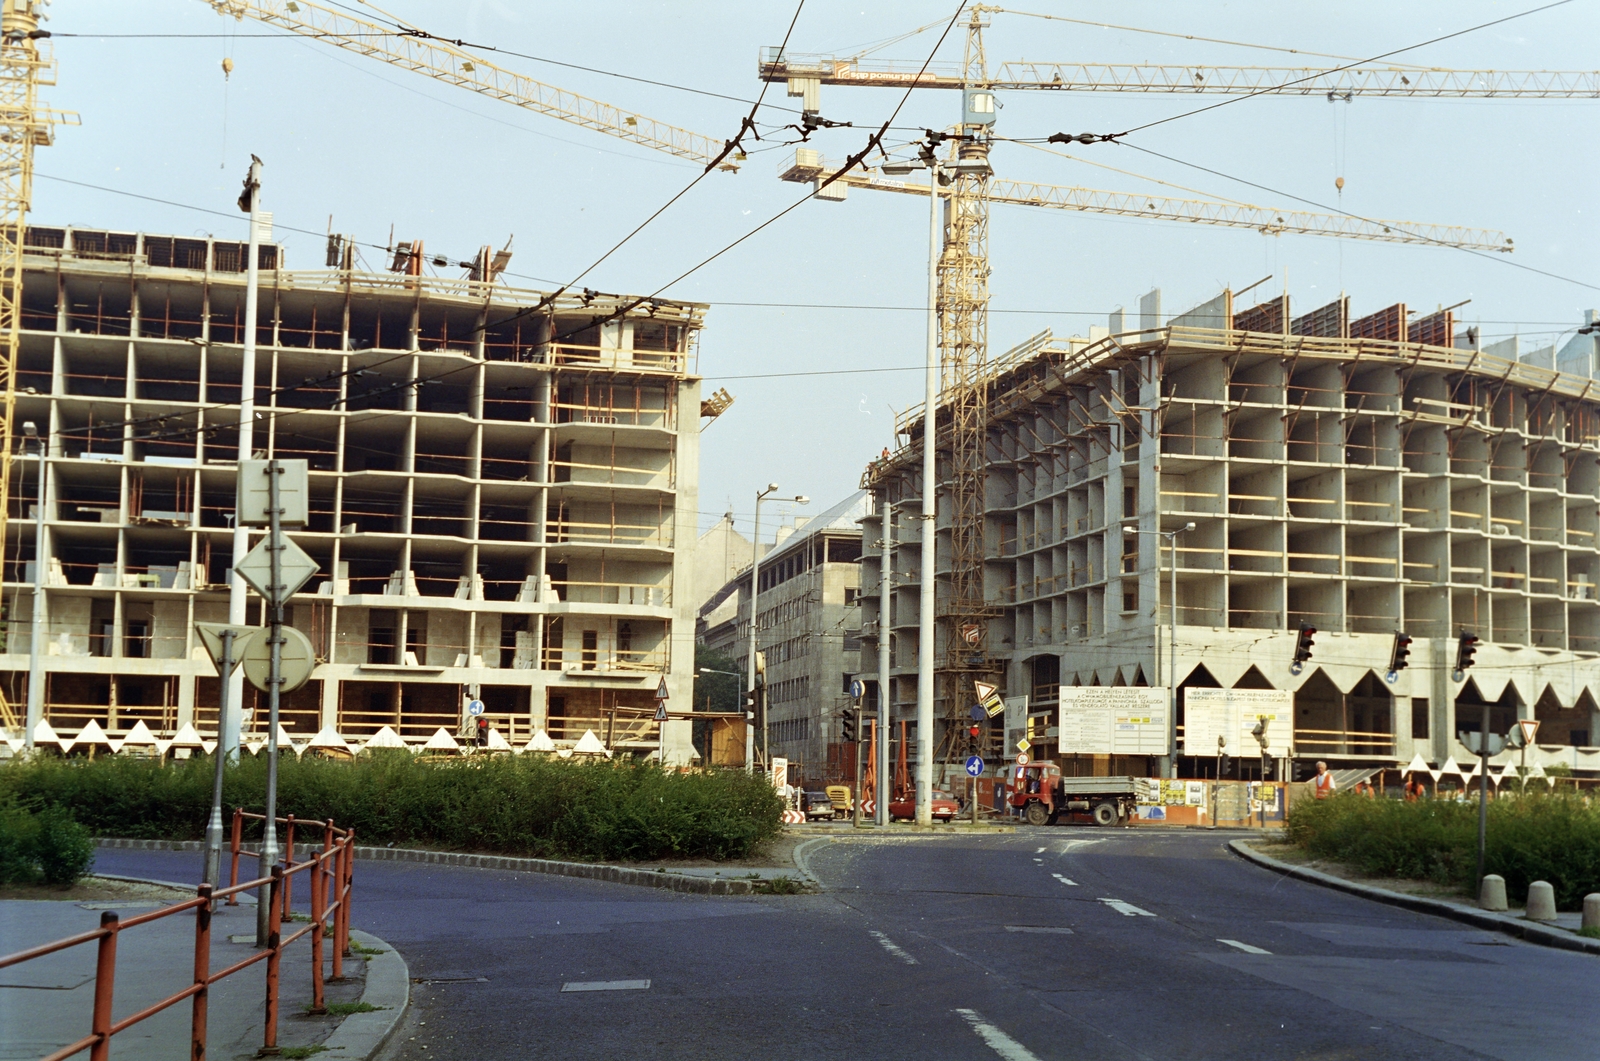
(1366, 477)
(498, 486)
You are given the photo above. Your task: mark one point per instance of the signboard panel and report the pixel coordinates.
(1232, 714)
(1016, 723)
(1104, 720)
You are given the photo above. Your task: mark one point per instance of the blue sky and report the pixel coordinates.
(376, 147)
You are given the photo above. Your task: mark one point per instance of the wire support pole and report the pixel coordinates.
(880, 751)
(269, 837)
(930, 527)
(250, 202)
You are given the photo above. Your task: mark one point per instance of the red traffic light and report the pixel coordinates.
(973, 730)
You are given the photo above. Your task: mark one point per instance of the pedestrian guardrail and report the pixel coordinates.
(331, 875)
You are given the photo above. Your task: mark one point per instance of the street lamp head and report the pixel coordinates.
(801, 499)
(1129, 530)
(900, 169)
(30, 429)
(772, 488)
(1189, 526)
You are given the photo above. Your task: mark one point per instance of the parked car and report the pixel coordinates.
(843, 804)
(944, 808)
(816, 805)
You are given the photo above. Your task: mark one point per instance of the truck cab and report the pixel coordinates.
(1042, 795)
(1033, 791)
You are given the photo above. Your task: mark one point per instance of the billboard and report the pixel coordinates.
(1113, 720)
(1231, 714)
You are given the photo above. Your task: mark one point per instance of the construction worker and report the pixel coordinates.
(1414, 789)
(1324, 783)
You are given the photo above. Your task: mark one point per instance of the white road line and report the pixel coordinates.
(606, 985)
(892, 947)
(995, 1039)
(158, 904)
(1243, 946)
(1064, 880)
(1040, 851)
(1126, 909)
(1040, 929)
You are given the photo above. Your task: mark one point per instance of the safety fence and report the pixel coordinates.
(331, 875)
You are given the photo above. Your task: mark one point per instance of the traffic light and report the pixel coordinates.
(1303, 644)
(848, 725)
(1466, 648)
(1398, 660)
(1224, 763)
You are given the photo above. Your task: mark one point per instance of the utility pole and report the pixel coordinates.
(213, 871)
(250, 202)
(880, 810)
(930, 519)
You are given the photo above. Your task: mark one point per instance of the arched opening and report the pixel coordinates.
(1253, 679)
(1139, 679)
(1563, 725)
(1369, 717)
(1502, 712)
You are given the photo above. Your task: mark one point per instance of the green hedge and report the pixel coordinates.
(528, 805)
(1550, 837)
(48, 846)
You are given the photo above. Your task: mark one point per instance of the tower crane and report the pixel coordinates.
(25, 64)
(961, 652)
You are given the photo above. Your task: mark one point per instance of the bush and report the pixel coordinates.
(48, 846)
(1537, 836)
(525, 805)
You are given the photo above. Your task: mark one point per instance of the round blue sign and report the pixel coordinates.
(974, 765)
(474, 707)
(857, 690)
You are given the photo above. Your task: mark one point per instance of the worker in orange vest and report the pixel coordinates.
(1414, 789)
(1323, 781)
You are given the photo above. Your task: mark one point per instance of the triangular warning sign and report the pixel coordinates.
(984, 690)
(661, 711)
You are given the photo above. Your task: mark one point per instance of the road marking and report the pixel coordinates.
(1041, 929)
(995, 1039)
(1068, 883)
(606, 985)
(1036, 860)
(1126, 909)
(892, 947)
(1040, 851)
(1235, 944)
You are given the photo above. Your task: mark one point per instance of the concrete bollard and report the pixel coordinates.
(1591, 910)
(1541, 901)
(1492, 893)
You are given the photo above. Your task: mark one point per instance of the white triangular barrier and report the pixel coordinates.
(44, 734)
(442, 742)
(497, 743)
(186, 737)
(1417, 765)
(138, 737)
(90, 734)
(589, 744)
(540, 742)
(385, 738)
(329, 739)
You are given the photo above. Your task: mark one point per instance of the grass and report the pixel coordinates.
(778, 886)
(301, 1051)
(357, 948)
(1550, 837)
(1593, 931)
(345, 1009)
(543, 808)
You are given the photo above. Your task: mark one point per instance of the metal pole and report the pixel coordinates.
(855, 801)
(35, 654)
(1483, 794)
(880, 810)
(1172, 666)
(213, 873)
(930, 518)
(228, 725)
(269, 835)
(750, 670)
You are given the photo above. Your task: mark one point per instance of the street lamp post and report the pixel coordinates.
(1129, 531)
(755, 594)
(35, 655)
(880, 770)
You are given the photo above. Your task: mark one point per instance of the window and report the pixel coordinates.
(851, 596)
(554, 638)
(380, 638)
(591, 649)
(845, 687)
(137, 645)
(1419, 718)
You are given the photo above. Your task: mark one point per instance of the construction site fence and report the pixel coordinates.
(330, 873)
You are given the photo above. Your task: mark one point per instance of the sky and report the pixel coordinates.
(816, 322)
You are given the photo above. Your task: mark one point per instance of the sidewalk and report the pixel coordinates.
(46, 1003)
(1561, 932)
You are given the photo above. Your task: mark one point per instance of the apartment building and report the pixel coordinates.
(809, 631)
(499, 485)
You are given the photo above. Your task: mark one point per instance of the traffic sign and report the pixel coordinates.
(857, 690)
(974, 765)
(978, 713)
(296, 661)
(1529, 727)
(474, 707)
(295, 569)
(661, 689)
(1023, 744)
(989, 697)
(661, 711)
(211, 638)
(1022, 758)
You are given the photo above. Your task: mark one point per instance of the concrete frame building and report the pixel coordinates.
(810, 634)
(1362, 476)
(498, 488)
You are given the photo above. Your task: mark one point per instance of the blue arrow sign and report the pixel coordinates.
(474, 707)
(974, 765)
(857, 690)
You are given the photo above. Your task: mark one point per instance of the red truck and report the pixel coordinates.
(1042, 795)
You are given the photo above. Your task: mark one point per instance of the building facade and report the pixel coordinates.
(809, 633)
(1364, 477)
(499, 484)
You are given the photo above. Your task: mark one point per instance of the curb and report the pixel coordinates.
(1529, 931)
(587, 870)
(388, 986)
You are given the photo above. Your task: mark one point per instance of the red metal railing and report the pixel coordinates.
(331, 873)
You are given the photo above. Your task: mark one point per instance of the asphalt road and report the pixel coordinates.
(1072, 943)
